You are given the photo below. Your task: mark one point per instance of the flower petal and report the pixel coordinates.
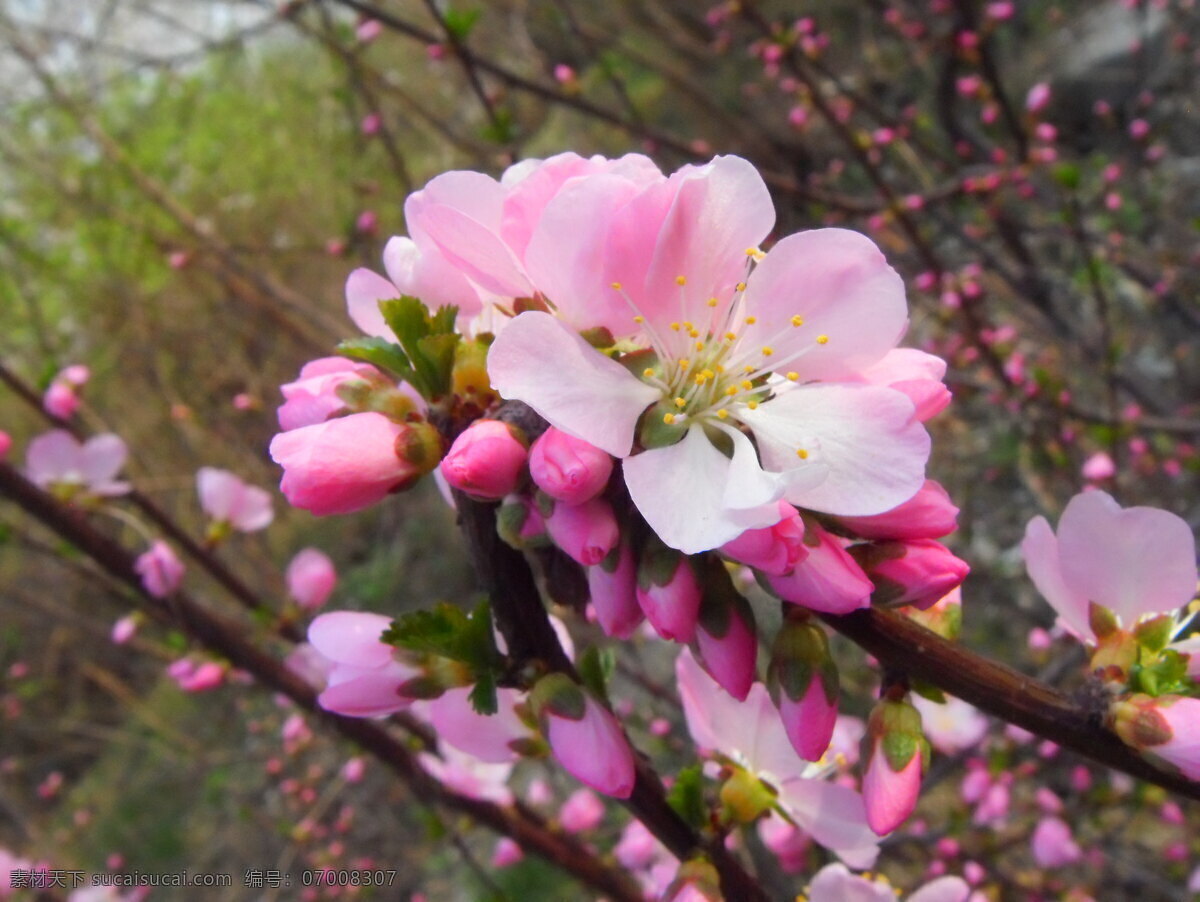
(834, 816)
(351, 637)
(52, 455)
(541, 361)
(874, 448)
(364, 291)
(103, 457)
(839, 283)
(1040, 549)
(427, 275)
(681, 491)
(1137, 561)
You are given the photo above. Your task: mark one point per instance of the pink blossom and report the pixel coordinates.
(1038, 98)
(364, 678)
(193, 677)
(311, 578)
(5, 444)
(486, 460)
(834, 883)
(673, 253)
(584, 736)
(914, 373)
(368, 30)
(1167, 728)
(124, 629)
(916, 572)
(726, 643)
(60, 401)
(567, 468)
(1098, 467)
(488, 737)
(774, 550)
(750, 734)
(586, 532)
(1053, 845)
(810, 720)
(564, 74)
(890, 795)
(230, 501)
(160, 569)
(828, 580)
(929, 514)
(468, 776)
(612, 586)
(370, 124)
(1137, 562)
(57, 460)
(669, 595)
(581, 812)
(506, 853)
(953, 726)
(1139, 129)
(314, 396)
(367, 222)
(344, 464)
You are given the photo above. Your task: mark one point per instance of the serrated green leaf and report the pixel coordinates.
(379, 352)
(1166, 676)
(442, 322)
(686, 796)
(483, 696)
(434, 362)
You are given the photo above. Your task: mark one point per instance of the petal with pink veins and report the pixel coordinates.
(544, 363)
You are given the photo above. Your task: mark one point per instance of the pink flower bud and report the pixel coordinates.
(918, 572)
(612, 585)
(506, 853)
(5, 444)
(929, 514)
(726, 642)
(563, 73)
(803, 680)
(1038, 97)
(774, 550)
(1053, 845)
(486, 460)
(668, 593)
(201, 678)
(1167, 728)
(1098, 467)
(160, 569)
(568, 469)
(581, 812)
(60, 401)
(352, 462)
(368, 30)
(124, 629)
(896, 752)
(584, 736)
(364, 677)
(828, 580)
(586, 532)
(311, 577)
(370, 124)
(76, 374)
(315, 396)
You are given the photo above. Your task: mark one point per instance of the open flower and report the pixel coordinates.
(721, 343)
(56, 460)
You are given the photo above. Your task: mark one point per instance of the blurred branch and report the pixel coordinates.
(230, 639)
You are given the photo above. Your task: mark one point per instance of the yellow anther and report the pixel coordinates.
(740, 286)
(720, 369)
(681, 280)
(730, 336)
(792, 377)
(692, 333)
(797, 320)
(681, 403)
(802, 453)
(648, 373)
(751, 251)
(684, 363)
(748, 368)
(708, 374)
(675, 327)
(639, 319)
(747, 384)
(722, 414)
(616, 285)
(699, 344)
(669, 418)
(822, 339)
(753, 405)
(731, 391)
(767, 350)
(712, 302)
(700, 378)
(751, 320)
(688, 326)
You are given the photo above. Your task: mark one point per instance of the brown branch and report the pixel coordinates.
(231, 640)
(998, 689)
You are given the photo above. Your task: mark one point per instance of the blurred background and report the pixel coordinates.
(185, 185)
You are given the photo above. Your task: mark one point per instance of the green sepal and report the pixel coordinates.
(800, 652)
(899, 749)
(427, 340)
(596, 667)
(598, 337)
(655, 432)
(1166, 675)
(1155, 634)
(1102, 621)
(558, 694)
(929, 691)
(657, 565)
(380, 352)
(745, 798)
(686, 796)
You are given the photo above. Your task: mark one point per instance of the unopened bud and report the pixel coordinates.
(668, 592)
(803, 680)
(896, 752)
(612, 585)
(586, 532)
(486, 460)
(568, 469)
(726, 640)
(918, 572)
(774, 550)
(584, 736)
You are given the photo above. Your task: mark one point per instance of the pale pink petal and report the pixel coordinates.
(944, 889)
(834, 816)
(719, 211)
(486, 737)
(842, 287)
(681, 491)
(567, 254)
(529, 187)
(351, 637)
(1040, 550)
(827, 580)
(53, 455)
(253, 510)
(219, 491)
(834, 883)
(470, 777)
(427, 275)
(544, 363)
(1138, 561)
(373, 693)
(866, 435)
(364, 291)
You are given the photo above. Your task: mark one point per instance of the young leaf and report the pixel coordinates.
(378, 351)
(686, 796)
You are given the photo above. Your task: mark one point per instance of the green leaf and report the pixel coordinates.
(929, 691)
(1166, 676)
(460, 22)
(429, 341)
(502, 129)
(686, 796)
(483, 696)
(449, 632)
(380, 352)
(434, 362)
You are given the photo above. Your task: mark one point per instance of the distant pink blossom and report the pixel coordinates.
(467, 775)
(1038, 98)
(311, 578)
(364, 677)
(581, 812)
(1053, 845)
(160, 569)
(1098, 467)
(834, 883)
(229, 500)
(57, 460)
